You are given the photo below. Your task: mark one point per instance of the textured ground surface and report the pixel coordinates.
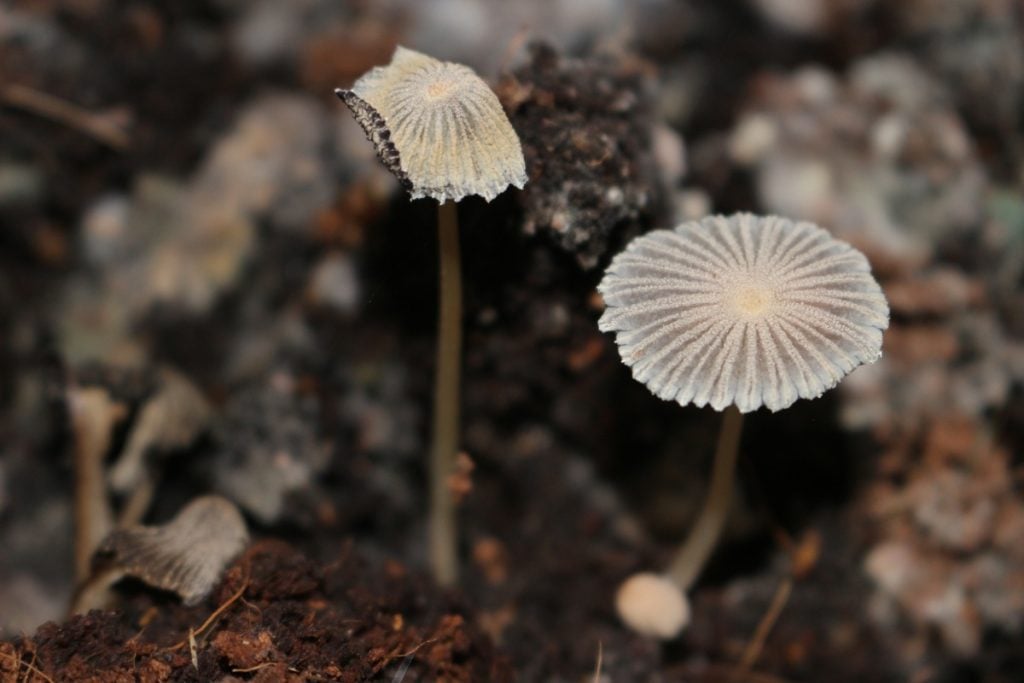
(206, 205)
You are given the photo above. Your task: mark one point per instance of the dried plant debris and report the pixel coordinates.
(879, 155)
(183, 245)
(743, 309)
(586, 135)
(168, 421)
(438, 127)
(937, 359)
(187, 555)
(949, 525)
(976, 47)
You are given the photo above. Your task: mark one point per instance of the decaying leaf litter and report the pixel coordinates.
(248, 240)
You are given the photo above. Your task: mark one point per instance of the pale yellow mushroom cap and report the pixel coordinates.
(652, 605)
(743, 310)
(438, 127)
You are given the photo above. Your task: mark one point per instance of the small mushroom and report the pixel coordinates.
(187, 555)
(743, 311)
(170, 420)
(438, 127)
(94, 414)
(737, 313)
(652, 604)
(441, 131)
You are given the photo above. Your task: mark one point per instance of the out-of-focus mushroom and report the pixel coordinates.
(652, 604)
(441, 131)
(737, 313)
(94, 414)
(170, 420)
(187, 555)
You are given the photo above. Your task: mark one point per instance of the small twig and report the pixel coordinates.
(97, 125)
(253, 606)
(402, 670)
(392, 657)
(258, 667)
(30, 666)
(416, 649)
(16, 658)
(600, 661)
(209, 620)
(756, 644)
(220, 610)
(193, 649)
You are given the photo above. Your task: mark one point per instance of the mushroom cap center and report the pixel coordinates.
(750, 297)
(440, 88)
(753, 300)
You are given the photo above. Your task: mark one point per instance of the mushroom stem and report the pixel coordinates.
(692, 556)
(93, 417)
(443, 560)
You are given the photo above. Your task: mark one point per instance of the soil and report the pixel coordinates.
(577, 476)
(276, 616)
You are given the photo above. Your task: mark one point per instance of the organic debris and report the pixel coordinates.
(587, 141)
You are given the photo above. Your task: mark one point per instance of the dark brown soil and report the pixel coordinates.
(277, 616)
(579, 476)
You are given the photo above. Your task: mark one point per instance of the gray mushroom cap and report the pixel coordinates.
(745, 310)
(186, 555)
(438, 127)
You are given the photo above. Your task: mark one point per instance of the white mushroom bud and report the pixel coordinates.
(742, 310)
(652, 605)
(438, 127)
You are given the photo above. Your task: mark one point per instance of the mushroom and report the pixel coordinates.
(441, 131)
(187, 555)
(94, 414)
(737, 312)
(652, 604)
(169, 421)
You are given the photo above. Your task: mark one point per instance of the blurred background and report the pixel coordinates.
(185, 203)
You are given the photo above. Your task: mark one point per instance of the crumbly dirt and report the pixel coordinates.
(278, 617)
(587, 127)
(575, 475)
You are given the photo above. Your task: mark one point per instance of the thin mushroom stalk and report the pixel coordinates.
(656, 604)
(441, 131)
(94, 414)
(695, 551)
(443, 555)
